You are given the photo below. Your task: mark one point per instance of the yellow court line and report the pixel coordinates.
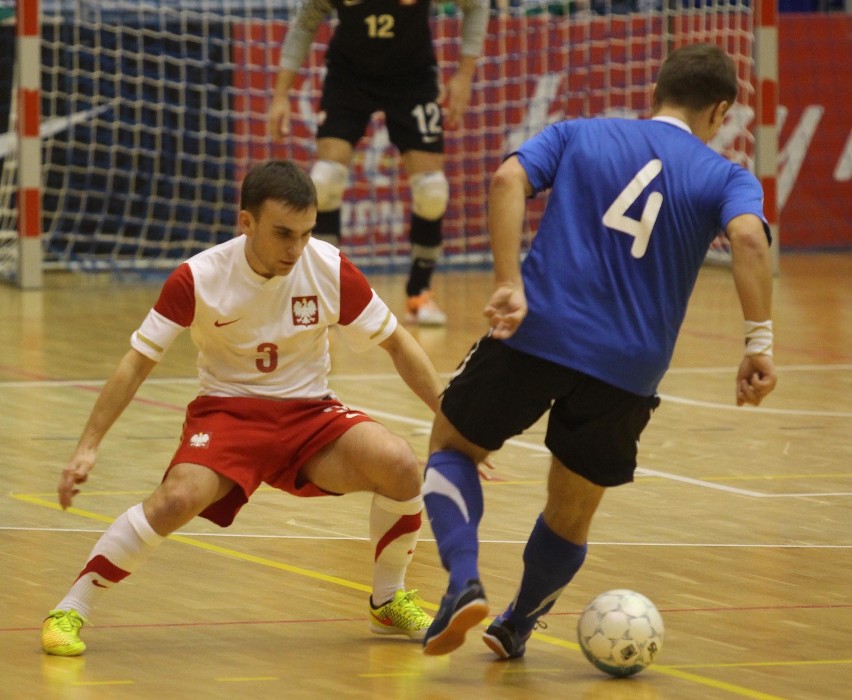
(675, 672)
(87, 493)
(514, 482)
(758, 664)
(86, 683)
(35, 500)
(400, 674)
(309, 573)
(235, 554)
(719, 685)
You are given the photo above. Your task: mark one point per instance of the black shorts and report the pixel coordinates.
(593, 427)
(412, 113)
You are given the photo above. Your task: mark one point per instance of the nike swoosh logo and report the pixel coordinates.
(51, 127)
(430, 139)
(219, 324)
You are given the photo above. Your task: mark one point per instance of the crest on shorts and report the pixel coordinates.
(199, 440)
(305, 311)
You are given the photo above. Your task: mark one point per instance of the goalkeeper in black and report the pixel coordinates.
(381, 58)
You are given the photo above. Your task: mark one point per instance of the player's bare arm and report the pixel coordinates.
(279, 108)
(414, 366)
(507, 197)
(752, 270)
(121, 387)
(297, 45)
(458, 92)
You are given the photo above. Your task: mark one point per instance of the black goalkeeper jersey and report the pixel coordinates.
(381, 37)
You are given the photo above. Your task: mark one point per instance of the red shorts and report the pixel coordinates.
(252, 441)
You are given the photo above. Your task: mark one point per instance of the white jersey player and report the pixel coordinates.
(259, 307)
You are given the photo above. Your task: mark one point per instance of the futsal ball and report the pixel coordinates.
(621, 632)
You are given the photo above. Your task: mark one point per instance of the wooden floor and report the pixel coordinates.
(739, 525)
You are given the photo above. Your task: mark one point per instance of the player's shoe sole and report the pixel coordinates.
(456, 616)
(504, 641)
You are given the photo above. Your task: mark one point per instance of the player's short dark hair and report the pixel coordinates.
(696, 76)
(281, 180)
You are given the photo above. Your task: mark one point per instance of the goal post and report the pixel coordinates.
(766, 109)
(151, 113)
(20, 182)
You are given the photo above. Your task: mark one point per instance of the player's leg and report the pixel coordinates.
(347, 109)
(594, 428)
(453, 496)
(555, 551)
(368, 457)
(497, 394)
(430, 193)
(330, 174)
(415, 127)
(125, 545)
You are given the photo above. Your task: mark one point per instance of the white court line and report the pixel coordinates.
(50, 383)
(640, 470)
(755, 409)
(239, 535)
(421, 424)
(390, 375)
(784, 368)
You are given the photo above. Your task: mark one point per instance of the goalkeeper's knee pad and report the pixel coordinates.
(330, 179)
(430, 193)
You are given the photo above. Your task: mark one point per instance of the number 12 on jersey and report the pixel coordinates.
(616, 218)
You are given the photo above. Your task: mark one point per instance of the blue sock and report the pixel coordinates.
(453, 497)
(550, 562)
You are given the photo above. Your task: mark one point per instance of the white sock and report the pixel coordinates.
(394, 528)
(122, 549)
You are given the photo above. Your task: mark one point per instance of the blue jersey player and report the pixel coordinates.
(586, 327)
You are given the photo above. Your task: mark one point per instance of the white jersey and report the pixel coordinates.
(264, 337)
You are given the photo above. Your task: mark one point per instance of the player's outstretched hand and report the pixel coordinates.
(76, 473)
(755, 379)
(505, 310)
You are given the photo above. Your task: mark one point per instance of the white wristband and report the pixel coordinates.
(758, 337)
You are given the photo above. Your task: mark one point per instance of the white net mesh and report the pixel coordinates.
(152, 112)
(8, 145)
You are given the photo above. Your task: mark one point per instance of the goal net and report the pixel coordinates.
(153, 111)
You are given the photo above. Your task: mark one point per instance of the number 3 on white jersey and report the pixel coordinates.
(640, 230)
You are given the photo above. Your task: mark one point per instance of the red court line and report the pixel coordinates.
(743, 608)
(198, 624)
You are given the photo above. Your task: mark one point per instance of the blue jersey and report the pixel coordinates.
(633, 208)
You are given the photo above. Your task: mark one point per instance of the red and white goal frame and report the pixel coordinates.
(766, 116)
(30, 192)
(28, 96)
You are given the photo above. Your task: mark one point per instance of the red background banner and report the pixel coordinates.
(815, 144)
(602, 66)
